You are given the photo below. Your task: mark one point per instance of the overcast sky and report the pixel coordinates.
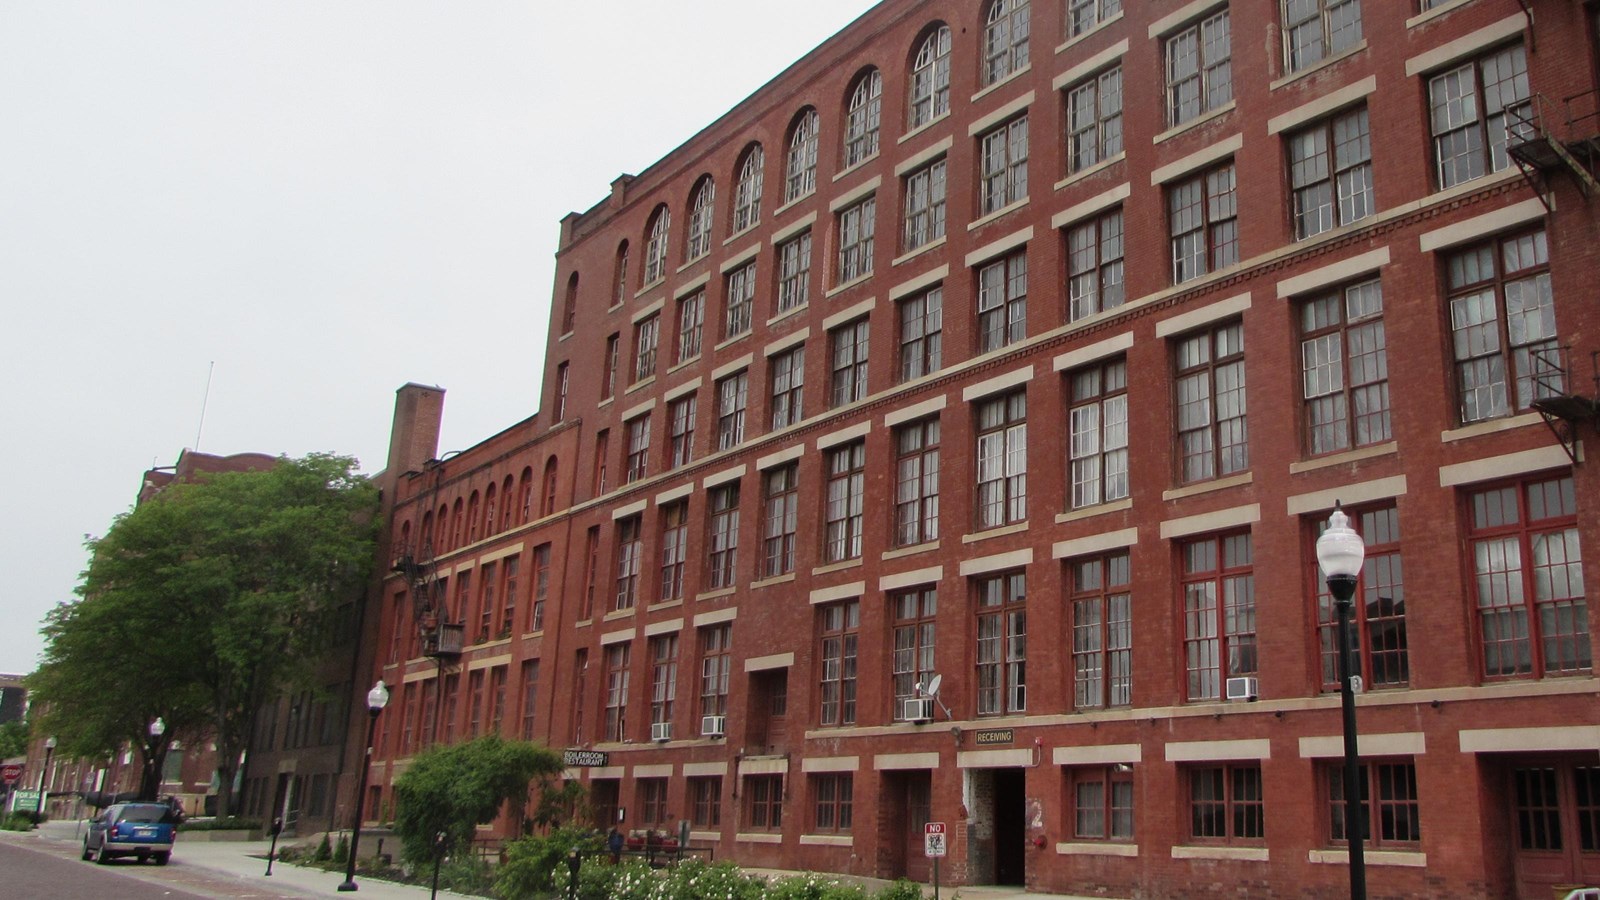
(305, 193)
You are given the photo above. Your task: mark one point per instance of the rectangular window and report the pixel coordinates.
(916, 491)
(716, 665)
(475, 683)
(563, 379)
(1094, 120)
(508, 603)
(722, 558)
(912, 664)
(731, 399)
(1003, 161)
(780, 520)
(1199, 69)
(741, 296)
(1226, 805)
(1219, 612)
(1083, 15)
(836, 649)
(1330, 171)
(1003, 460)
(602, 453)
(591, 574)
(645, 335)
(691, 325)
(1344, 369)
(706, 796)
(832, 812)
(674, 548)
(921, 333)
(1314, 30)
(530, 697)
(788, 387)
(1475, 109)
(1394, 822)
(1098, 440)
(845, 502)
(1533, 617)
(1203, 218)
(663, 679)
(1095, 266)
(580, 697)
(1002, 644)
(486, 601)
(794, 272)
(653, 802)
(1102, 632)
(638, 448)
(848, 345)
(1102, 803)
(1503, 326)
(765, 809)
(1003, 302)
(681, 414)
(541, 585)
(497, 697)
(856, 225)
(608, 380)
(1212, 433)
(630, 547)
(925, 190)
(616, 692)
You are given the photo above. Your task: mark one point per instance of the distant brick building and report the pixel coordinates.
(1029, 346)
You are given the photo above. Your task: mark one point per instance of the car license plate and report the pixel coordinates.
(144, 832)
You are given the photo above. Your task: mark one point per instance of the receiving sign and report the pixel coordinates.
(933, 840)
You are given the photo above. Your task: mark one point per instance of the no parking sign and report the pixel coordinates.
(933, 840)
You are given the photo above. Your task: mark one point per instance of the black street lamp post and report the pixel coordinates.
(49, 751)
(1340, 553)
(377, 699)
(152, 786)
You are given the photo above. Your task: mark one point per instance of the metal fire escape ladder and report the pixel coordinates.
(1543, 139)
(1563, 409)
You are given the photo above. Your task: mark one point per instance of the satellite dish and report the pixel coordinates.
(932, 688)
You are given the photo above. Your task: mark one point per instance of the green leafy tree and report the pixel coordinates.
(201, 604)
(14, 739)
(451, 789)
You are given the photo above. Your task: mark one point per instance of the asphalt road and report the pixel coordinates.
(43, 869)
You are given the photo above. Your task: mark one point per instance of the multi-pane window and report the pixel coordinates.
(747, 196)
(1212, 436)
(845, 502)
(856, 225)
(602, 455)
(1002, 657)
(1219, 613)
(921, 333)
(663, 678)
(1098, 441)
(912, 665)
(705, 797)
(1314, 30)
(930, 78)
(732, 394)
(916, 492)
(1344, 369)
(1475, 109)
(1094, 120)
(486, 605)
(1330, 172)
(674, 548)
(741, 297)
(1199, 68)
(833, 794)
(1393, 822)
(541, 586)
(1102, 632)
(1503, 326)
(862, 119)
(1533, 617)
(638, 448)
(681, 414)
(591, 575)
(630, 547)
(800, 163)
(698, 241)
(653, 802)
(1082, 15)
(616, 692)
(794, 272)
(645, 337)
(1102, 803)
(655, 249)
(1003, 166)
(530, 697)
(563, 382)
(1005, 39)
(848, 366)
(1003, 460)
(691, 325)
(782, 489)
(716, 667)
(764, 810)
(788, 387)
(608, 376)
(837, 627)
(925, 191)
(1226, 804)
(619, 281)
(722, 552)
(1003, 302)
(1203, 221)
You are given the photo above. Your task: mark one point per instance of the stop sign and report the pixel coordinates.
(10, 773)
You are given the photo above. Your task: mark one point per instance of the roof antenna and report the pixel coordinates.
(203, 400)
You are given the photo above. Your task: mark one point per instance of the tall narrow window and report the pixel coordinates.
(1003, 302)
(547, 501)
(1002, 652)
(716, 666)
(921, 333)
(663, 681)
(741, 295)
(1330, 171)
(1098, 440)
(530, 698)
(1094, 266)
(638, 448)
(508, 594)
(862, 120)
(800, 163)
(541, 586)
(848, 344)
(655, 249)
(788, 387)
(856, 226)
(563, 382)
(1094, 120)
(1219, 613)
(833, 793)
(1475, 109)
(682, 412)
(698, 241)
(1003, 166)
(1203, 220)
(747, 202)
(916, 495)
(602, 455)
(645, 336)
(616, 692)
(487, 606)
(911, 666)
(930, 78)
(1344, 369)
(1102, 803)
(722, 551)
(794, 272)
(925, 199)
(691, 324)
(1005, 39)
(1212, 434)
(1378, 620)
(674, 549)
(569, 307)
(838, 624)
(1003, 460)
(1314, 30)
(706, 796)
(591, 575)
(845, 504)
(1199, 68)
(779, 520)
(1503, 324)
(1102, 632)
(608, 378)
(1084, 15)
(619, 276)
(731, 399)
(630, 547)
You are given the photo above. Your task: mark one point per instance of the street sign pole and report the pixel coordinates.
(934, 847)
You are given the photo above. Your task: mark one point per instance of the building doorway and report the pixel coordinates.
(905, 801)
(1554, 804)
(997, 826)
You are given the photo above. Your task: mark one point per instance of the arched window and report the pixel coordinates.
(863, 118)
(547, 504)
(489, 521)
(404, 546)
(930, 78)
(456, 516)
(1005, 39)
(800, 169)
(506, 505)
(619, 289)
(441, 533)
(698, 241)
(747, 199)
(472, 518)
(525, 492)
(655, 250)
(569, 309)
(425, 536)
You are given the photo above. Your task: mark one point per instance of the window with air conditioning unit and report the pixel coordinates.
(917, 709)
(661, 731)
(1243, 688)
(713, 726)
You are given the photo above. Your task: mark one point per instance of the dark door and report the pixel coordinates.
(769, 717)
(1010, 826)
(916, 813)
(1555, 809)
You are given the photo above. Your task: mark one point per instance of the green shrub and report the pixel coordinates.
(900, 890)
(467, 874)
(341, 853)
(232, 823)
(324, 851)
(537, 865)
(18, 821)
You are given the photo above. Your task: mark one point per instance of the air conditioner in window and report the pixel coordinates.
(1242, 688)
(713, 726)
(661, 731)
(917, 709)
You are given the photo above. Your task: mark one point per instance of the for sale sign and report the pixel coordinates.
(10, 773)
(933, 840)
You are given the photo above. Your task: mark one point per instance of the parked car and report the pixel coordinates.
(144, 830)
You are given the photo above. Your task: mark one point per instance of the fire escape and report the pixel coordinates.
(439, 638)
(1557, 399)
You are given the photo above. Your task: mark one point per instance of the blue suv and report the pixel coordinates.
(144, 830)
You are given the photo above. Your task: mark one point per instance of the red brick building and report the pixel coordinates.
(943, 269)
